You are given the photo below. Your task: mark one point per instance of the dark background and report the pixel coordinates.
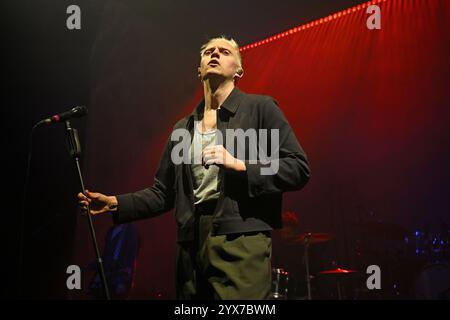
(133, 64)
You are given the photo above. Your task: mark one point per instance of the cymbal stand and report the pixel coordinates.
(308, 275)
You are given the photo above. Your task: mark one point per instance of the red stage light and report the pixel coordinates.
(312, 23)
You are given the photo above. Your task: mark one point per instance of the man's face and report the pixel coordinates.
(219, 59)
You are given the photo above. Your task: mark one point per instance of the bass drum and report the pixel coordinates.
(433, 282)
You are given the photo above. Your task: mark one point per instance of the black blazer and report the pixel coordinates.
(249, 201)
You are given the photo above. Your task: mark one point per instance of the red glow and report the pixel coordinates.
(371, 94)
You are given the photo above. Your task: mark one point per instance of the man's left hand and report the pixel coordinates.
(220, 156)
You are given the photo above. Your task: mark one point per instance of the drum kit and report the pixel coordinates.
(280, 276)
(425, 254)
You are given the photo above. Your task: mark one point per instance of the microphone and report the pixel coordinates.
(75, 112)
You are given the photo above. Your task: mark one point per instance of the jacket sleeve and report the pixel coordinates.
(292, 171)
(152, 201)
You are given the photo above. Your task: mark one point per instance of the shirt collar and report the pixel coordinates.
(231, 103)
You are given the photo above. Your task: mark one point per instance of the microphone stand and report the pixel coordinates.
(75, 152)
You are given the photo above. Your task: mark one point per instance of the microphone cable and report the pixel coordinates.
(22, 209)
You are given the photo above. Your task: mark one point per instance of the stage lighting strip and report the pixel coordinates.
(311, 24)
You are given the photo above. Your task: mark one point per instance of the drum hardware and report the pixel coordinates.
(280, 284)
(338, 273)
(307, 239)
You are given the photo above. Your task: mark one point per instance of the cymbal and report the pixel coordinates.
(337, 271)
(312, 238)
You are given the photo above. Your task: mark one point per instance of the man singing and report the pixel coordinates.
(226, 204)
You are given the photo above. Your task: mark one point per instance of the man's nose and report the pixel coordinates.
(215, 53)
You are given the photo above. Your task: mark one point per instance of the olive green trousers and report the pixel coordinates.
(233, 266)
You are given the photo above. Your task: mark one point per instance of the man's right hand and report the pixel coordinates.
(98, 202)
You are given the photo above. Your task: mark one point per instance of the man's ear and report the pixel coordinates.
(239, 73)
(199, 74)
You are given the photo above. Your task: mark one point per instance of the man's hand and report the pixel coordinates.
(219, 155)
(98, 202)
